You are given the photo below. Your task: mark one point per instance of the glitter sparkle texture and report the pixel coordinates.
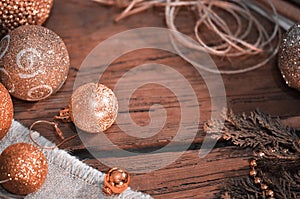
(289, 57)
(6, 111)
(25, 166)
(36, 63)
(93, 107)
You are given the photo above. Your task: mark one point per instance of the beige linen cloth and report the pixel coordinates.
(67, 178)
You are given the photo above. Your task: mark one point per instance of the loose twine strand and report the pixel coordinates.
(233, 42)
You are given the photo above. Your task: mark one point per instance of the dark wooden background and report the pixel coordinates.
(84, 24)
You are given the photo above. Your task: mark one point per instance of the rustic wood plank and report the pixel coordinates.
(189, 176)
(82, 25)
(292, 122)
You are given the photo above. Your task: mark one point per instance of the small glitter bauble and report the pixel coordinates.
(36, 63)
(93, 107)
(6, 111)
(15, 13)
(116, 181)
(289, 57)
(23, 167)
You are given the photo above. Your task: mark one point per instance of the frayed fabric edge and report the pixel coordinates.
(76, 168)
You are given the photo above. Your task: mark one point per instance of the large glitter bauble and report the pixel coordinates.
(24, 167)
(93, 107)
(15, 13)
(289, 57)
(6, 111)
(35, 64)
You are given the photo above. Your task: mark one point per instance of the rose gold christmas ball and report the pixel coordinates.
(35, 64)
(116, 181)
(289, 57)
(15, 13)
(24, 166)
(6, 111)
(93, 107)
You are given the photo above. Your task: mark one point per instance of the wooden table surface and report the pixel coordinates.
(84, 24)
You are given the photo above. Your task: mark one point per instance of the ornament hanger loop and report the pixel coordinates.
(57, 130)
(55, 125)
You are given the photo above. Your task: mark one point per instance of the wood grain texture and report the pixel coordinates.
(83, 25)
(285, 8)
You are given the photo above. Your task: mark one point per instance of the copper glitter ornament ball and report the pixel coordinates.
(289, 57)
(15, 13)
(35, 64)
(24, 167)
(116, 181)
(6, 111)
(93, 107)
